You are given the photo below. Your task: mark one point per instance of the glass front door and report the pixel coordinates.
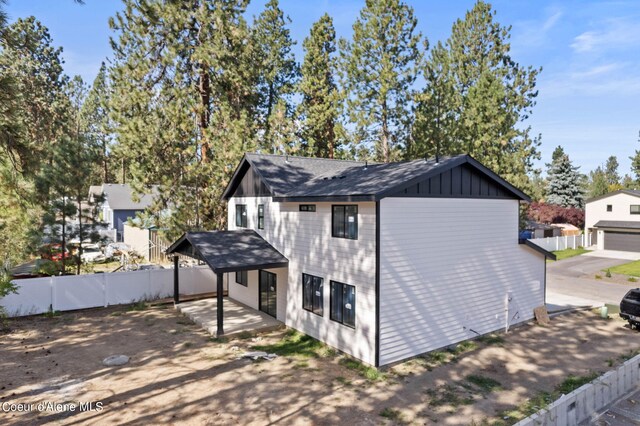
(268, 292)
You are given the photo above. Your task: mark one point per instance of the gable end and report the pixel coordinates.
(462, 181)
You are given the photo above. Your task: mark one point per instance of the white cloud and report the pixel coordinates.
(618, 33)
(596, 71)
(533, 33)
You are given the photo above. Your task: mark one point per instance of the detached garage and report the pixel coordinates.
(620, 235)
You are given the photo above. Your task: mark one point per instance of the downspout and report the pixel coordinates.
(377, 287)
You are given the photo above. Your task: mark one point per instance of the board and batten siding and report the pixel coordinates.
(452, 269)
(305, 239)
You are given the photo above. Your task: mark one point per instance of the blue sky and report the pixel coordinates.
(589, 89)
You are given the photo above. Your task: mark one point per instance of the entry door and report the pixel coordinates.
(268, 293)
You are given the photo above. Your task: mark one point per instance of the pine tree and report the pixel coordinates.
(491, 98)
(564, 187)
(183, 104)
(379, 67)
(598, 184)
(278, 72)
(611, 173)
(319, 110)
(635, 163)
(557, 153)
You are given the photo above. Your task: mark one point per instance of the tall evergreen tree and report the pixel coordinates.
(278, 72)
(184, 103)
(635, 163)
(380, 66)
(319, 109)
(488, 98)
(564, 187)
(557, 153)
(598, 184)
(611, 173)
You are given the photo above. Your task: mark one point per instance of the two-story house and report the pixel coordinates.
(119, 205)
(382, 261)
(614, 220)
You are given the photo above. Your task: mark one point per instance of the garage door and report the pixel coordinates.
(624, 241)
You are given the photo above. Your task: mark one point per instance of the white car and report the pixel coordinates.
(91, 253)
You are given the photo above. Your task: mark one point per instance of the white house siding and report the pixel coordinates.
(305, 239)
(596, 211)
(447, 269)
(249, 295)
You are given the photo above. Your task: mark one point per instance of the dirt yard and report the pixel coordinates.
(178, 374)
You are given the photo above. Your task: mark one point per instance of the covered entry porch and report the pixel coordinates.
(227, 253)
(238, 318)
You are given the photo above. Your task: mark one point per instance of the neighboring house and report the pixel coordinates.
(614, 220)
(119, 205)
(382, 261)
(146, 241)
(542, 230)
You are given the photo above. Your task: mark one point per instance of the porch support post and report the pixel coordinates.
(219, 291)
(176, 283)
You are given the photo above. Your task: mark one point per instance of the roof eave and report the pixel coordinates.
(610, 194)
(547, 254)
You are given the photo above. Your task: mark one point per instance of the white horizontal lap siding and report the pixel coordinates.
(305, 239)
(446, 268)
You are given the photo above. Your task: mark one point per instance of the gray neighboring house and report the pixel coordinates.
(119, 205)
(382, 261)
(613, 220)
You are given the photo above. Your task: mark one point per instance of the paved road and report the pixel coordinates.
(575, 277)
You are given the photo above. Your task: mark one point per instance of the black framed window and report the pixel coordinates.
(242, 278)
(312, 299)
(260, 216)
(344, 222)
(343, 303)
(307, 207)
(634, 209)
(609, 208)
(241, 215)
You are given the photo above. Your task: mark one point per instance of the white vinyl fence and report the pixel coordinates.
(562, 243)
(583, 403)
(39, 295)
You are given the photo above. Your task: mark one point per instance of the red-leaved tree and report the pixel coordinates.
(552, 213)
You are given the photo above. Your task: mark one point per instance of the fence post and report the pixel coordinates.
(557, 243)
(53, 294)
(105, 289)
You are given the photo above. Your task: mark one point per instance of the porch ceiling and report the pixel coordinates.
(229, 251)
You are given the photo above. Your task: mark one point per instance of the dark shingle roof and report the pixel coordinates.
(290, 178)
(229, 251)
(623, 224)
(120, 196)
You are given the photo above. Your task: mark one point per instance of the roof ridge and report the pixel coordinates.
(312, 158)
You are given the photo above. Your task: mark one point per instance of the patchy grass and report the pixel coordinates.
(219, 339)
(598, 277)
(294, 343)
(491, 339)
(565, 254)
(542, 399)
(632, 279)
(392, 414)
(138, 306)
(244, 335)
(366, 371)
(343, 380)
(449, 395)
(486, 384)
(627, 356)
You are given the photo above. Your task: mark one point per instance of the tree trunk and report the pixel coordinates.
(105, 162)
(205, 97)
(80, 235)
(63, 250)
(385, 133)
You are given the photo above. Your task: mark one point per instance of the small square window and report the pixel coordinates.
(344, 222)
(609, 208)
(260, 216)
(241, 215)
(307, 207)
(242, 278)
(634, 209)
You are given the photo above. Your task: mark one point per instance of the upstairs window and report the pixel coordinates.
(242, 278)
(609, 208)
(307, 207)
(241, 215)
(312, 299)
(344, 222)
(260, 216)
(343, 303)
(634, 209)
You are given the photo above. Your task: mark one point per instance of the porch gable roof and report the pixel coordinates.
(229, 251)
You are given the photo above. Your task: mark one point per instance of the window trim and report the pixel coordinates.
(631, 206)
(260, 216)
(609, 207)
(244, 276)
(314, 310)
(343, 285)
(311, 208)
(243, 222)
(346, 221)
